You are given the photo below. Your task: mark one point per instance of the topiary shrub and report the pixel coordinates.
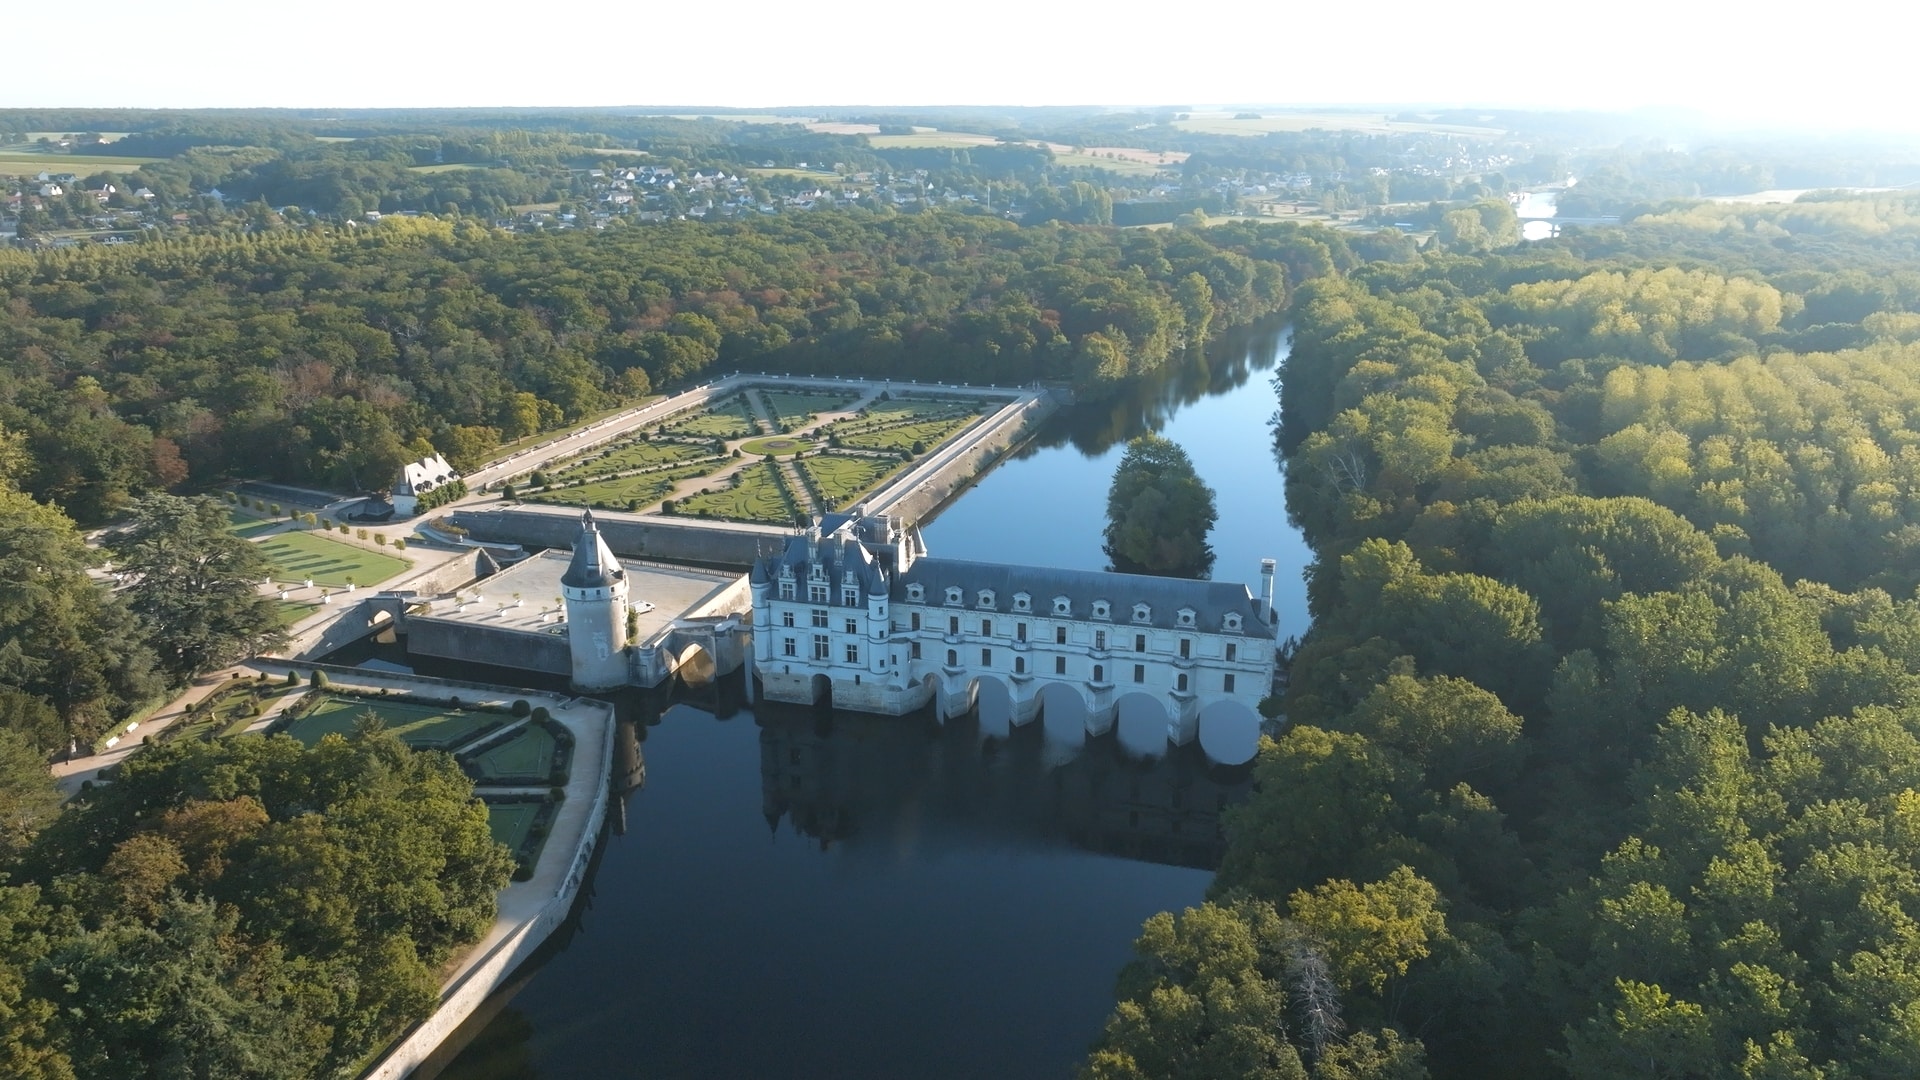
(541, 714)
(521, 707)
(558, 794)
(522, 872)
(557, 777)
(292, 679)
(319, 680)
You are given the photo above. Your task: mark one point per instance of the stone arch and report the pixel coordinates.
(821, 688)
(1229, 732)
(1064, 713)
(695, 665)
(936, 700)
(993, 706)
(1140, 723)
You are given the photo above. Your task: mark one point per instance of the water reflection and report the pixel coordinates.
(898, 785)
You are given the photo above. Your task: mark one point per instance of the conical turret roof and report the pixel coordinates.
(593, 565)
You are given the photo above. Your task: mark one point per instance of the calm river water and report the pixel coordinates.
(795, 893)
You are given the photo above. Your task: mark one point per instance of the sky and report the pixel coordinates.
(1834, 65)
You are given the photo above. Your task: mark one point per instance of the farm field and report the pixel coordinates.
(1125, 166)
(15, 161)
(933, 139)
(729, 419)
(297, 556)
(758, 496)
(1277, 120)
(644, 489)
(423, 727)
(527, 757)
(794, 405)
(842, 479)
(633, 454)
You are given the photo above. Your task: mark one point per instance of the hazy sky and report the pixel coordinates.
(1832, 64)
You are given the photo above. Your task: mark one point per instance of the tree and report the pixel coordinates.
(27, 794)
(1159, 512)
(195, 584)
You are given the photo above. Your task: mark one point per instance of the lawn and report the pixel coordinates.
(297, 556)
(793, 405)
(729, 419)
(841, 480)
(423, 727)
(626, 456)
(642, 490)
(779, 445)
(527, 758)
(247, 526)
(288, 612)
(758, 496)
(510, 822)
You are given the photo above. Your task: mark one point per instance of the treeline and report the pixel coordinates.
(1600, 752)
(328, 357)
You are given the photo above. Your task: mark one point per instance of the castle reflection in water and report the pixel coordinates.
(876, 783)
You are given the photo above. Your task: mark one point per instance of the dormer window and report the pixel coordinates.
(1062, 606)
(850, 597)
(816, 572)
(1142, 613)
(986, 598)
(786, 571)
(916, 593)
(1101, 610)
(786, 589)
(1231, 624)
(1186, 616)
(953, 594)
(1022, 602)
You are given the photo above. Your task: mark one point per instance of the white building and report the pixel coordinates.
(416, 480)
(854, 612)
(594, 589)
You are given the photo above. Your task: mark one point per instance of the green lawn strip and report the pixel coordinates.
(840, 480)
(297, 556)
(729, 419)
(623, 457)
(792, 405)
(423, 727)
(527, 758)
(522, 823)
(757, 496)
(639, 491)
(247, 526)
(903, 410)
(778, 445)
(288, 612)
(510, 822)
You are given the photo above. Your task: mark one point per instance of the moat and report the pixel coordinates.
(802, 893)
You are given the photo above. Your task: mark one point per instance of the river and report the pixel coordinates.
(801, 894)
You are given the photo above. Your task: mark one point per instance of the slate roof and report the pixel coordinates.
(1211, 601)
(836, 554)
(593, 565)
(420, 477)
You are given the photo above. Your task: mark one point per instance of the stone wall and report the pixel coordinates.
(427, 636)
(627, 535)
(939, 477)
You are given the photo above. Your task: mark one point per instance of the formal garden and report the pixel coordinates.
(300, 556)
(755, 473)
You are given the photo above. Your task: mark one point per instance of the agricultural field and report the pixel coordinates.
(526, 758)
(1280, 120)
(297, 556)
(641, 490)
(625, 457)
(839, 480)
(16, 161)
(728, 419)
(1125, 166)
(447, 168)
(790, 405)
(422, 727)
(933, 139)
(757, 495)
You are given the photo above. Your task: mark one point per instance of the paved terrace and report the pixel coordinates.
(660, 593)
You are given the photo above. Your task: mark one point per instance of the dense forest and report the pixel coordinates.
(327, 357)
(1601, 756)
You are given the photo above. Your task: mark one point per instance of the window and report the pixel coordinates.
(1019, 665)
(1233, 651)
(1139, 643)
(1099, 639)
(1142, 613)
(786, 590)
(852, 627)
(816, 593)
(953, 594)
(1099, 673)
(986, 627)
(1180, 682)
(853, 655)
(1022, 602)
(788, 647)
(953, 658)
(1139, 673)
(915, 646)
(820, 618)
(1059, 665)
(916, 620)
(1226, 682)
(1059, 635)
(786, 618)
(1019, 631)
(1186, 616)
(916, 593)
(986, 657)
(1232, 624)
(986, 598)
(1062, 606)
(819, 646)
(850, 597)
(1186, 648)
(953, 624)
(1100, 609)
